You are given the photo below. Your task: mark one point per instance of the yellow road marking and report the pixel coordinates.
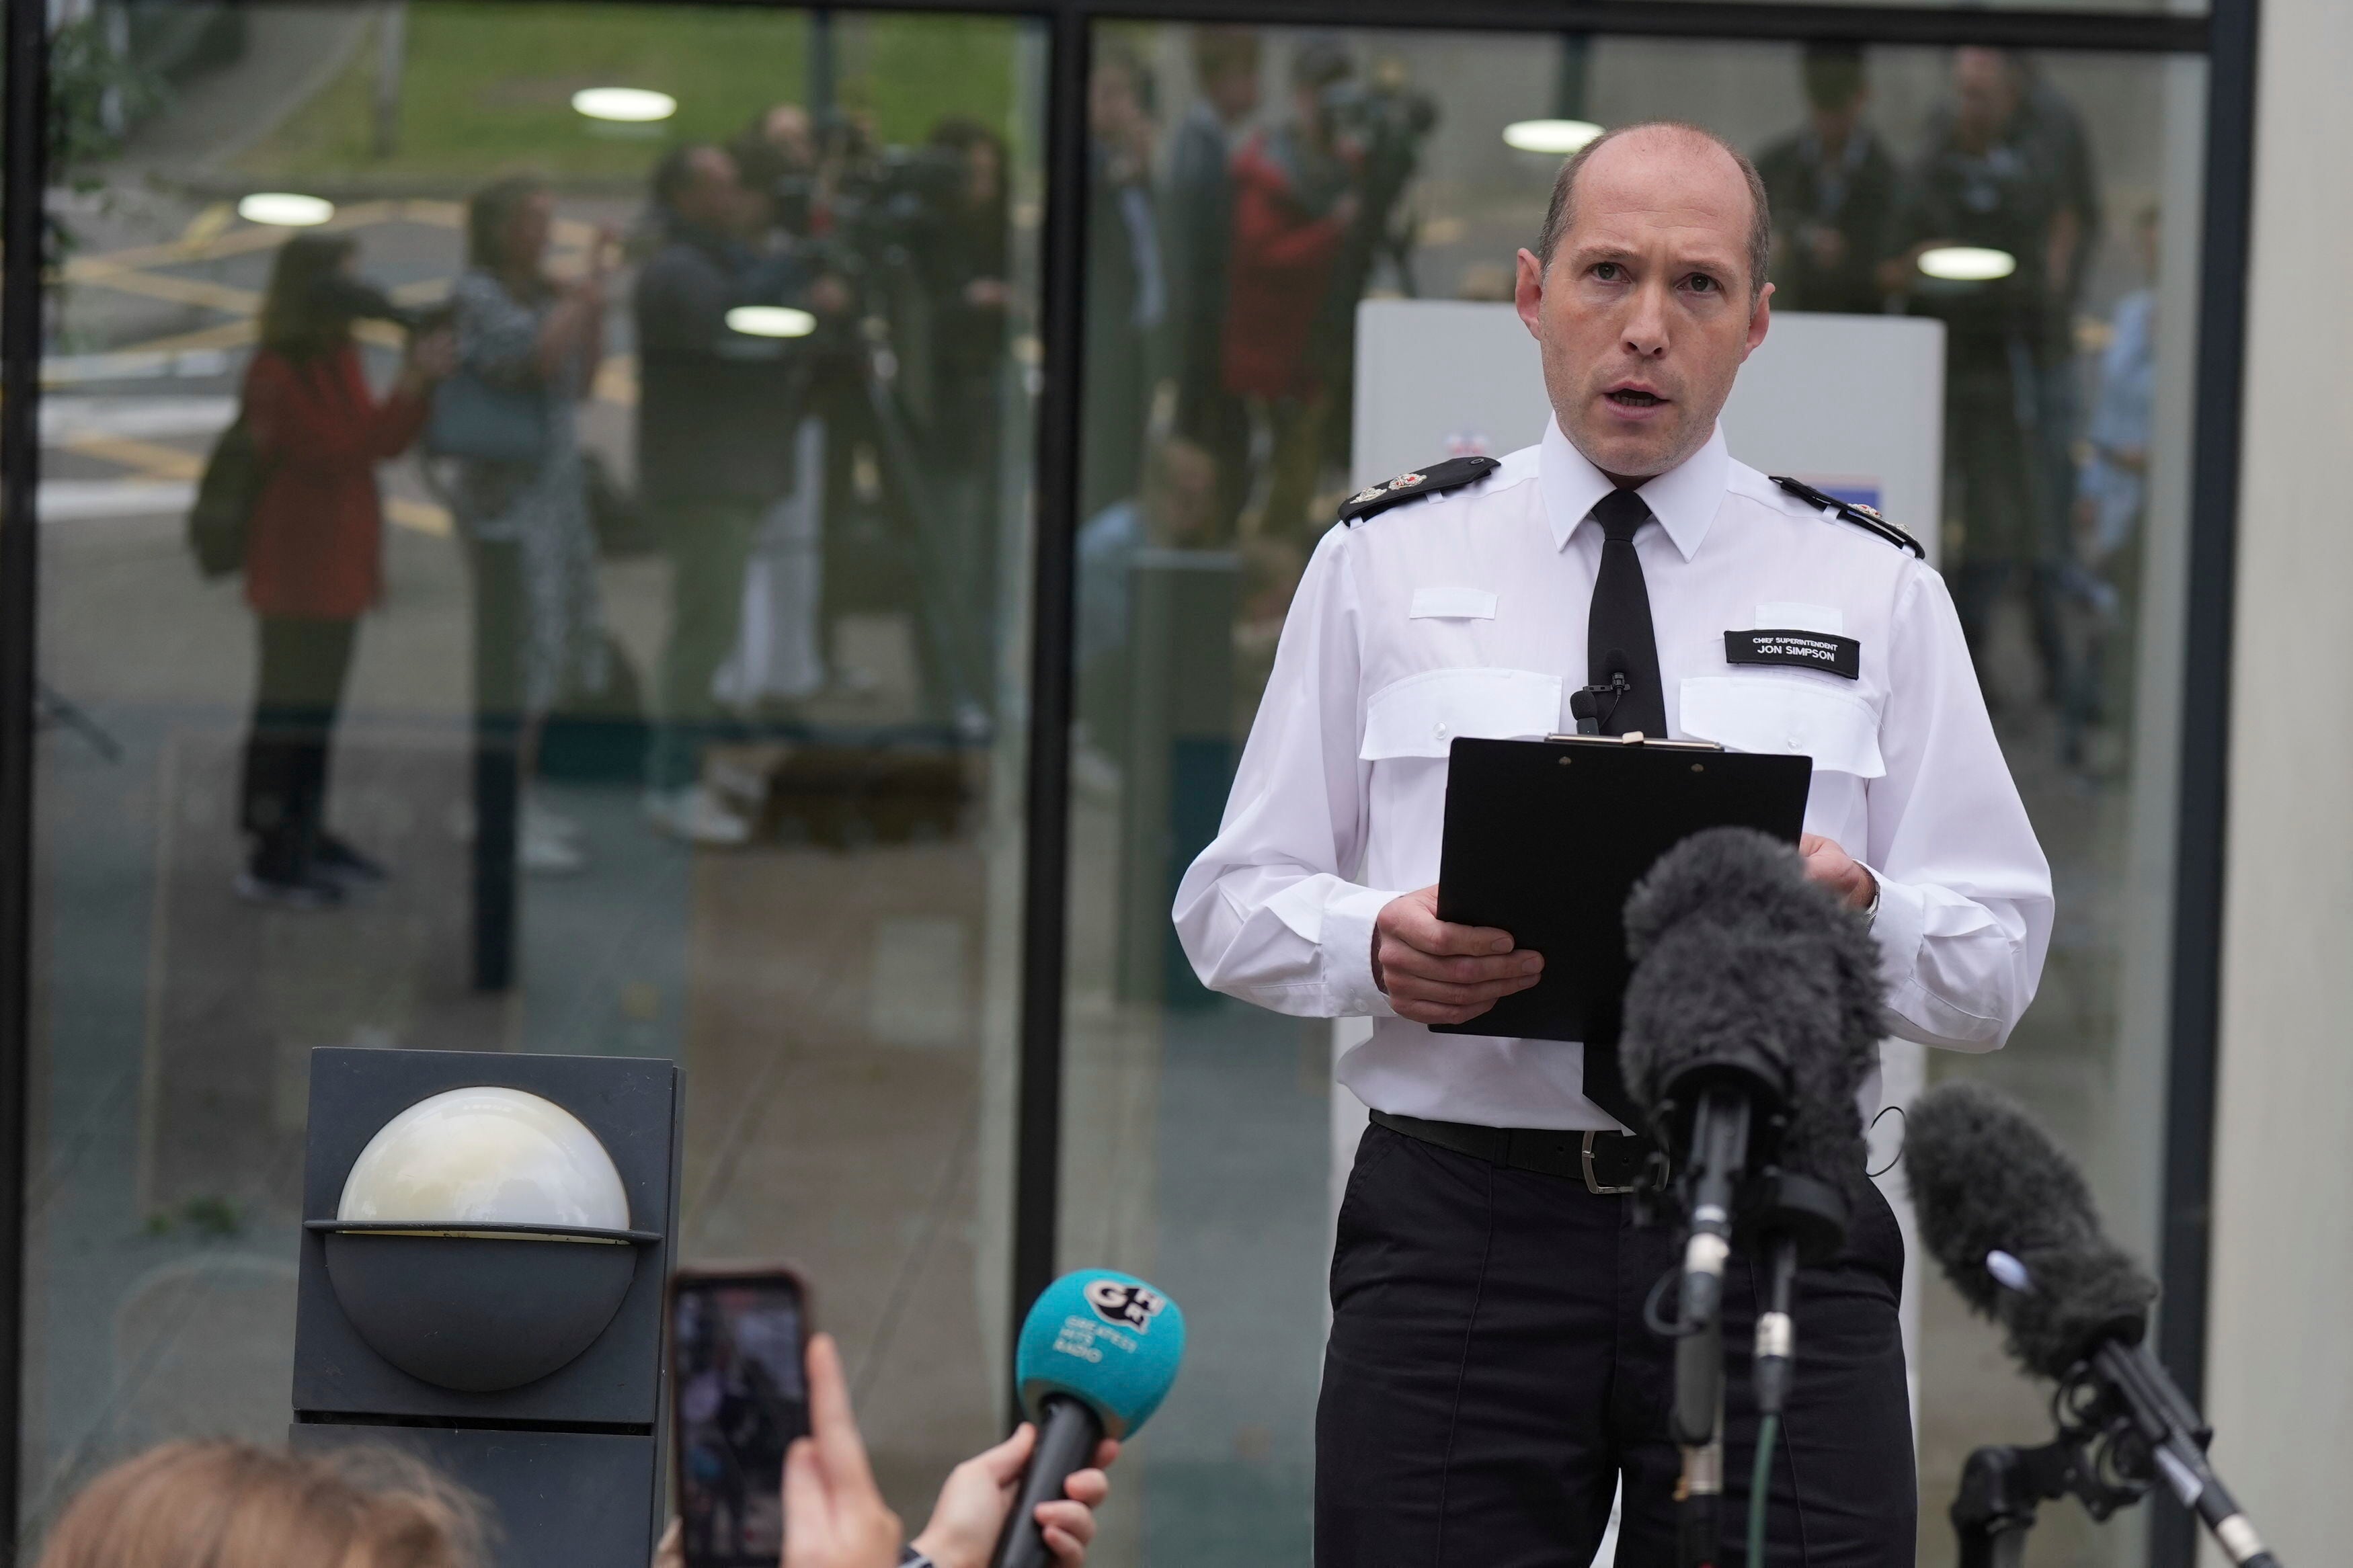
(152, 458)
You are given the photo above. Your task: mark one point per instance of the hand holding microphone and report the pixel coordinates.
(835, 1516)
(978, 1497)
(1097, 1355)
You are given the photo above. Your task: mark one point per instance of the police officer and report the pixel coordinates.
(1489, 1376)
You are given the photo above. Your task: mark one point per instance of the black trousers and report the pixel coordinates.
(1489, 1377)
(284, 791)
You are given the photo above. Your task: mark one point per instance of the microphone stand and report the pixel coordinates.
(2001, 1488)
(1719, 1144)
(2122, 1424)
(2176, 1437)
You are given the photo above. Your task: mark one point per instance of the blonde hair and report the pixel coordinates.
(225, 1504)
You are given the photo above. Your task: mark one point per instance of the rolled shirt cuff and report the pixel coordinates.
(1899, 925)
(1346, 940)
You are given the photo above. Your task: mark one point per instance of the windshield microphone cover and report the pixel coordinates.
(1741, 964)
(1985, 1178)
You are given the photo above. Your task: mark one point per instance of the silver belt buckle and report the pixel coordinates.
(1592, 1186)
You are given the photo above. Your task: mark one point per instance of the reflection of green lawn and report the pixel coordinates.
(488, 88)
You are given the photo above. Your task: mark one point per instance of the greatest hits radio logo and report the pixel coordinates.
(1131, 1305)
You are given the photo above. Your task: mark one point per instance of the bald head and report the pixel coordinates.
(1681, 160)
(1651, 294)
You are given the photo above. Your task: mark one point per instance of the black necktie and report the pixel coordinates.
(1618, 640)
(1618, 634)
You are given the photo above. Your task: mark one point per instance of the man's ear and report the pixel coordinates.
(1760, 319)
(1527, 289)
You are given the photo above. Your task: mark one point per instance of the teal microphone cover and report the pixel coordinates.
(1107, 1340)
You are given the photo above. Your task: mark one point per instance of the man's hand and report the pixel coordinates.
(834, 1515)
(1832, 867)
(970, 1514)
(1437, 972)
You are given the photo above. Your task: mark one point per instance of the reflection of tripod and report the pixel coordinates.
(52, 708)
(864, 402)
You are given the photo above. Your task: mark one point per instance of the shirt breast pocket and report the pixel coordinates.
(1421, 715)
(1794, 715)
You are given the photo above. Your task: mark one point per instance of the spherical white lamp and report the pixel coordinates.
(482, 1239)
(488, 1156)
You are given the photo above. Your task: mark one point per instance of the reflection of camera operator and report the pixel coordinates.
(1295, 201)
(964, 267)
(1200, 244)
(1127, 292)
(714, 415)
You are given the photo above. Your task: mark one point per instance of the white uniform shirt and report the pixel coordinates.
(1464, 613)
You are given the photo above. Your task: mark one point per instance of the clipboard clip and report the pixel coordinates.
(1636, 738)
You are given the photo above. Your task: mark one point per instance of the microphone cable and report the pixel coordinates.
(1760, 1480)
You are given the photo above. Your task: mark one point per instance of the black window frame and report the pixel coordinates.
(2226, 39)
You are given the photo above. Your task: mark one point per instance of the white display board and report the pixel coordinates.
(1853, 405)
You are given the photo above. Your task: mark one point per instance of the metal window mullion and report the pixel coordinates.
(1037, 1183)
(21, 230)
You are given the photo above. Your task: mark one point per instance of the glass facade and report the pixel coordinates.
(1244, 176)
(685, 715)
(686, 722)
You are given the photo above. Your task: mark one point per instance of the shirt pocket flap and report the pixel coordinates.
(1452, 604)
(1421, 715)
(1795, 717)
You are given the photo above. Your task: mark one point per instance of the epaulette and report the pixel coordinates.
(1450, 475)
(1855, 512)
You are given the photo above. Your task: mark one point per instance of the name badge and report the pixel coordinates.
(1822, 651)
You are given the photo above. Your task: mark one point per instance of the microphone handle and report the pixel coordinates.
(1067, 1438)
(2174, 1430)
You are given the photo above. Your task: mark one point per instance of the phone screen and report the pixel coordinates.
(736, 1346)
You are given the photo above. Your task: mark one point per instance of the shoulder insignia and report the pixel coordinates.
(1855, 512)
(1450, 475)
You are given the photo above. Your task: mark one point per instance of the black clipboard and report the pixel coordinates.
(1546, 838)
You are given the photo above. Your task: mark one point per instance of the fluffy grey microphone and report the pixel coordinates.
(1986, 1179)
(1740, 961)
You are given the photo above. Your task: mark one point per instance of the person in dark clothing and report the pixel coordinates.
(715, 410)
(1200, 240)
(965, 268)
(1832, 187)
(314, 556)
(1989, 179)
(1295, 200)
(1127, 290)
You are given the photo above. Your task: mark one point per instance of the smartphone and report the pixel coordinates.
(738, 1343)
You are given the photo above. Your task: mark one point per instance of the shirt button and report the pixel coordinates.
(1439, 727)
(1796, 741)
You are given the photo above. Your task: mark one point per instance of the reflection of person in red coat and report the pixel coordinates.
(1294, 202)
(314, 556)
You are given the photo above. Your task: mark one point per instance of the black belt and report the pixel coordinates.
(1608, 1162)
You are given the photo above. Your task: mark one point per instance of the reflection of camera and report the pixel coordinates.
(1388, 122)
(1384, 116)
(897, 196)
(358, 300)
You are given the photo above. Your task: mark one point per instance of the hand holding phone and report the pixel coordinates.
(757, 1401)
(835, 1515)
(739, 1342)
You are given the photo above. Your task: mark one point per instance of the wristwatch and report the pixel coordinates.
(910, 1558)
